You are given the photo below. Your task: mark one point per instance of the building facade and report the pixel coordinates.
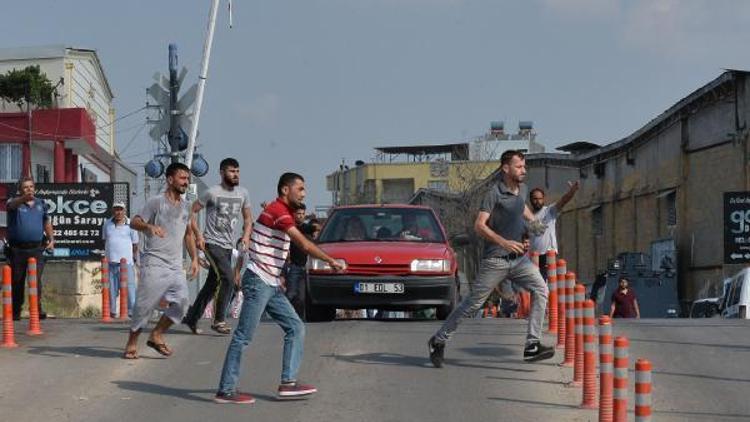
(659, 191)
(398, 172)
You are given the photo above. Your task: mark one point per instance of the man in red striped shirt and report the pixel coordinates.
(263, 290)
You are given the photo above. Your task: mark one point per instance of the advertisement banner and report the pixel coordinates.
(736, 227)
(78, 211)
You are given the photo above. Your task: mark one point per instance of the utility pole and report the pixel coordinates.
(201, 83)
(174, 134)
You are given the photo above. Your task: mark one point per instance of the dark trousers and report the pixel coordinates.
(221, 276)
(18, 259)
(295, 287)
(543, 266)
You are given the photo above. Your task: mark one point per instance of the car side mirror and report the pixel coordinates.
(460, 240)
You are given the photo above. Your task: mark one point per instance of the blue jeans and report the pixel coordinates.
(259, 297)
(114, 287)
(295, 287)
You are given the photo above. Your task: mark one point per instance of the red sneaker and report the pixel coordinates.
(295, 389)
(234, 398)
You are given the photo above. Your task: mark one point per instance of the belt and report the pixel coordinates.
(512, 256)
(25, 245)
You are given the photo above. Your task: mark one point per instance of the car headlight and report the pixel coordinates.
(430, 265)
(315, 264)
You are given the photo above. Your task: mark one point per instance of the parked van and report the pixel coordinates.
(737, 297)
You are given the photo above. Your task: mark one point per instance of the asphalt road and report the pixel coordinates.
(365, 371)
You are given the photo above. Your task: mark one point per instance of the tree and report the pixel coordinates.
(27, 86)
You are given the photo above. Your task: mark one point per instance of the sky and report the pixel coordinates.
(299, 85)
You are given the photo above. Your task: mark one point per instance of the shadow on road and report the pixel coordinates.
(708, 416)
(708, 377)
(418, 361)
(94, 352)
(536, 403)
(163, 390)
(687, 343)
(492, 377)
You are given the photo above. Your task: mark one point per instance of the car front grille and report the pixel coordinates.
(376, 269)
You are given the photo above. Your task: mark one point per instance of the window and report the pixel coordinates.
(438, 185)
(42, 174)
(597, 221)
(599, 169)
(10, 162)
(671, 209)
(736, 290)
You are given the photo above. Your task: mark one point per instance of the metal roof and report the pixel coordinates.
(424, 149)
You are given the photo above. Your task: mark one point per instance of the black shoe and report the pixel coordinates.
(537, 351)
(16, 317)
(42, 315)
(437, 351)
(192, 325)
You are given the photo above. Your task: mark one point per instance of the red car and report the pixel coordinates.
(397, 258)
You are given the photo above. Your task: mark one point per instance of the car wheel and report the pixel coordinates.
(442, 312)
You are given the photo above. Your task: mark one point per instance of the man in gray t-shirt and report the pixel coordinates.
(226, 204)
(502, 220)
(164, 222)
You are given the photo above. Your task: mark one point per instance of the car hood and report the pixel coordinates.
(389, 253)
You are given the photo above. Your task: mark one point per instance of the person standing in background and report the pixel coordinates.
(120, 241)
(29, 226)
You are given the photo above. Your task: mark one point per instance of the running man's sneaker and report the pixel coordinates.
(234, 398)
(537, 351)
(295, 389)
(437, 352)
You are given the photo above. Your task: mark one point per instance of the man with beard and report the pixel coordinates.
(501, 222)
(548, 216)
(164, 222)
(225, 204)
(295, 273)
(262, 290)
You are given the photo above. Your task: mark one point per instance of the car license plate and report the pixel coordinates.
(385, 288)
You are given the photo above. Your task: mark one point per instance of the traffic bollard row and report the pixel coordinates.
(606, 368)
(589, 356)
(562, 292)
(642, 390)
(620, 382)
(570, 319)
(105, 291)
(552, 299)
(580, 294)
(123, 289)
(35, 327)
(9, 338)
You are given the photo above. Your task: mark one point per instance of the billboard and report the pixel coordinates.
(736, 227)
(77, 212)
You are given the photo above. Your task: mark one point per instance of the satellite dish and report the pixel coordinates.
(154, 168)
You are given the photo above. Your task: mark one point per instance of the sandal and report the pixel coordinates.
(221, 328)
(130, 355)
(161, 348)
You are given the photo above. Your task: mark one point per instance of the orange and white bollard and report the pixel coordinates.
(620, 383)
(642, 390)
(589, 356)
(123, 289)
(606, 369)
(570, 320)
(580, 293)
(562, 301)
(35, 327)
(9, 337)
(105, 291)
(552, 298)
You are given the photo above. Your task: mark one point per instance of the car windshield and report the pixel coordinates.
(382, 224)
